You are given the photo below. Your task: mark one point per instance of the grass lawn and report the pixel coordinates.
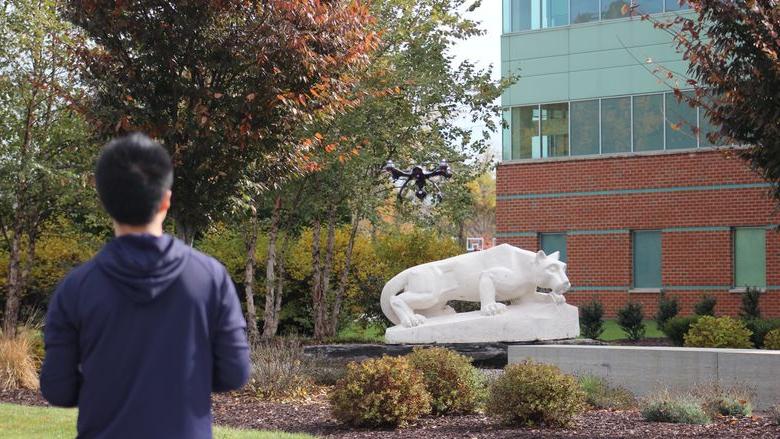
(23, 422)
(356, 333)
(613, 332)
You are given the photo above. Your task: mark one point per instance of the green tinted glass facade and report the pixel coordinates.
(647, 259)
(553, 242)
(749, 257)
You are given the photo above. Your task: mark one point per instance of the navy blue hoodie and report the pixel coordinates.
(140, 336)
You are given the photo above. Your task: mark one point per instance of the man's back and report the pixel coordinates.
(140, 336)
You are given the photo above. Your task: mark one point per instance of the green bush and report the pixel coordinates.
(667, 309)
(535, 394)
(718, 332)
(454, 384)
(600, 395)
(725, 401)
(385, 391)
(751, 308)
(680, 409)
(676, 328)
(760, 328)
(705, 307)
(592, 319)
(772, 340)
(630, 319)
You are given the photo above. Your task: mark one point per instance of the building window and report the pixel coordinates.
(613, 9)
(750, 257)
(553, 242)
(680, 123)
(555, 13)
(555, 130)
(584, 11)
(585, 127)
(674, 5)
(525, 131)
(523, 15)
(616, 125)
(651, 6)
(647, 259)
(648, 129)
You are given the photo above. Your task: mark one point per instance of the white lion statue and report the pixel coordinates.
(502, 273)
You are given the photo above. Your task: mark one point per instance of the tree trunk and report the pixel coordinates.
(249, 280)
(11, 315)
(344, 278)
(184, 231)
(318, 302)
(269, 314)
(327, 267)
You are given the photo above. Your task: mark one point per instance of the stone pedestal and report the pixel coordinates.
(520, 323)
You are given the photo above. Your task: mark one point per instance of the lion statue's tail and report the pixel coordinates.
(392, 287)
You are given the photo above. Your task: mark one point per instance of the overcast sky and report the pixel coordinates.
(485, 50)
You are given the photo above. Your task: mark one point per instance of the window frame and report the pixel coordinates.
(634, 234)
(735, 286)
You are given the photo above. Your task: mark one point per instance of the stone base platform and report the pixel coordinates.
(519, 323)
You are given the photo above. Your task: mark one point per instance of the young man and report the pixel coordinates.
(139, 336)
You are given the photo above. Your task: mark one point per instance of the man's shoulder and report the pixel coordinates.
(79, 274)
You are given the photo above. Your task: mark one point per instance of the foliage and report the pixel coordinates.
(630, 319)
(454, 384)
(772, 340)
(600, 395)
(705, 306)
(222, 84)
(677, 327)
(751, 307)
(667, 308)
(760, 328)
(677, 408)
(406, 247)
(717, 400)
(325, 371)
(733, 50)
(718, 332)
(382, 391)
(535, 394)
(279, 370)
(18, 363)
(774, 414)
(592, 319)
(361, 332)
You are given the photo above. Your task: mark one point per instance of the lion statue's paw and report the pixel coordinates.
(493, 309)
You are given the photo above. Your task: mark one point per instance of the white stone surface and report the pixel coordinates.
(419, 296)
(528, 322)
(644, 370)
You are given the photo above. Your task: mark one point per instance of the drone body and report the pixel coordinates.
(420, 177)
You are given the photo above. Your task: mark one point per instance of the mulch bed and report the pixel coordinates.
(313, 416)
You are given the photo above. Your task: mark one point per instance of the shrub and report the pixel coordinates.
(667, 308)
(705, 307)
(600, 395)
(592, 319)
(680, 409)
(325, 371)
(774, 414)
(772, 340)
(454, 384)
(750, 304)
(279, 370)
(17, 363)
(718, 332)
(380, 391)
(535, 394)
(725, 401)
(760, 328)
(630, 320)
(676, 328)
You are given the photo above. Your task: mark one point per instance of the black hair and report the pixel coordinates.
(132, 174)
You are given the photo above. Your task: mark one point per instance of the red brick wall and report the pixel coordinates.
(690, 258)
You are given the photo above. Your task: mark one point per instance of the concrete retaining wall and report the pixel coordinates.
(646, 369)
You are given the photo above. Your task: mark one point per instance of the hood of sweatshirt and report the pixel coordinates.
(144, 265)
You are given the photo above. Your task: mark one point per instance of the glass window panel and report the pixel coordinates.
(507, 16)
(674, 5)
(650, 6)
(750, 257)
(584, 11)
(680, 123)
(554, 242)
(555, 130)
(585, 127)
(615, 125)
(506, 137)
(706, 127)
(647, 259)
(613, 9)
(648, 122)
(526, 14)
(555, 13)
(525, 131)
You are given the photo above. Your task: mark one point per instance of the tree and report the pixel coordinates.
(733, 49)
(43, 147)
(221, 84)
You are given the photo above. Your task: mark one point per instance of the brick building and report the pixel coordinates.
(596, 165)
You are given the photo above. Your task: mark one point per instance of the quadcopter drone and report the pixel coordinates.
(419, 176)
